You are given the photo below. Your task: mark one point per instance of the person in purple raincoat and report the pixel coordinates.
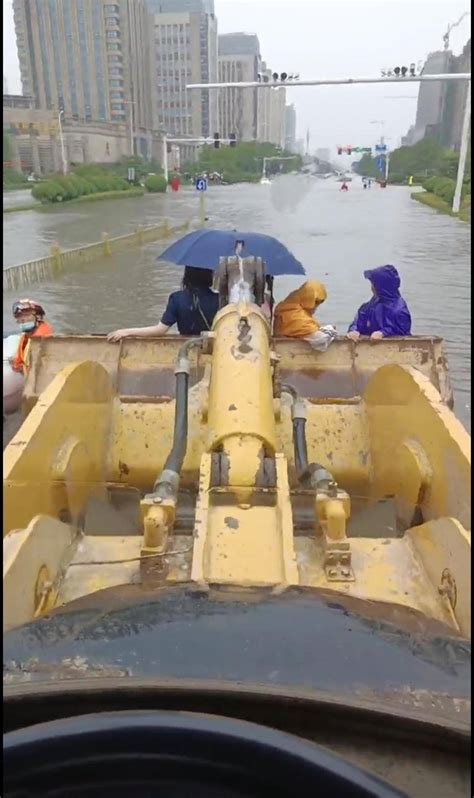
(386, 314)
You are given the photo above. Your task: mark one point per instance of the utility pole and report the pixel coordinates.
(201, 140)
(445, 78)
(332, 82)
(463, 151)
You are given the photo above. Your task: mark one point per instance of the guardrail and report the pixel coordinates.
(54, 264)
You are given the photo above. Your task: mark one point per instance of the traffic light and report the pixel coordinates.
(349, 150)
(339, 150)
(233, 140)
(217, 141)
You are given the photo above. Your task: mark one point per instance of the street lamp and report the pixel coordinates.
(61, 139)
(463, 151)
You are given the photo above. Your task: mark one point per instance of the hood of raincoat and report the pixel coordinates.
(386, 312)
(386, 281)
(293, 316)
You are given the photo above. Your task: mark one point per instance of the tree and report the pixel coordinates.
(366, 166)
(244, 161)
(425, 157)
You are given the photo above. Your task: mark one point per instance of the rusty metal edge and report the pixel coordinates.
(365, 706)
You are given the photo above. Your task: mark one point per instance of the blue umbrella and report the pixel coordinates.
(203, 248)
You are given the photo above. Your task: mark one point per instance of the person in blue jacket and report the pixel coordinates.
(386, 314)
(192, 308)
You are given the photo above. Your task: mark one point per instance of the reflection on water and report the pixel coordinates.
(336, 236)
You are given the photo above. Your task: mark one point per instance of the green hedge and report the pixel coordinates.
(156, 184)
(136, 191)
(75, 185)
(444, 187)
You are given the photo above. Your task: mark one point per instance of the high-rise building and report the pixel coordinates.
(430, 96)
(5, 85)
(450, 127)
(239, 61)
(290, 128)
(430, 99)
(440, 107)
(271, 112)
(91, 58)
(185, 51)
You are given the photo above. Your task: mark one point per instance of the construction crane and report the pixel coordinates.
(451, 27)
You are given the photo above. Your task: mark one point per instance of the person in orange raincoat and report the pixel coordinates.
(29, 316)
(294, 317)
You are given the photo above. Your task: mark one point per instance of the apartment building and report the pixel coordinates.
(90, 58)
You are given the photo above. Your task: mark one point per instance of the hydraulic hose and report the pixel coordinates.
(168, 481)
(175, 458)
(314, 473)
(300, 446)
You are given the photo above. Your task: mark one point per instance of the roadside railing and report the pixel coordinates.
(58, 261)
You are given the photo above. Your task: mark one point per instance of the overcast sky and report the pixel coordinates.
(331, 38)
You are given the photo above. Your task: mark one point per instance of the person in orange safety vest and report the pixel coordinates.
(29, 316)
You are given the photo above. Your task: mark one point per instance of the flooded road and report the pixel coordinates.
(28, 235)
(15, 198)
(335, 235)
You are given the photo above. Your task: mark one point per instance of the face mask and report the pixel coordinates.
(27, 326)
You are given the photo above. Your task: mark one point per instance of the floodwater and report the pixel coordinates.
(28, 235)
(19, 197)
(336, 235)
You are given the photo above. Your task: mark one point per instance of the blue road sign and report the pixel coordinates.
(380, 163)
(380, 148)
(201, 184)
